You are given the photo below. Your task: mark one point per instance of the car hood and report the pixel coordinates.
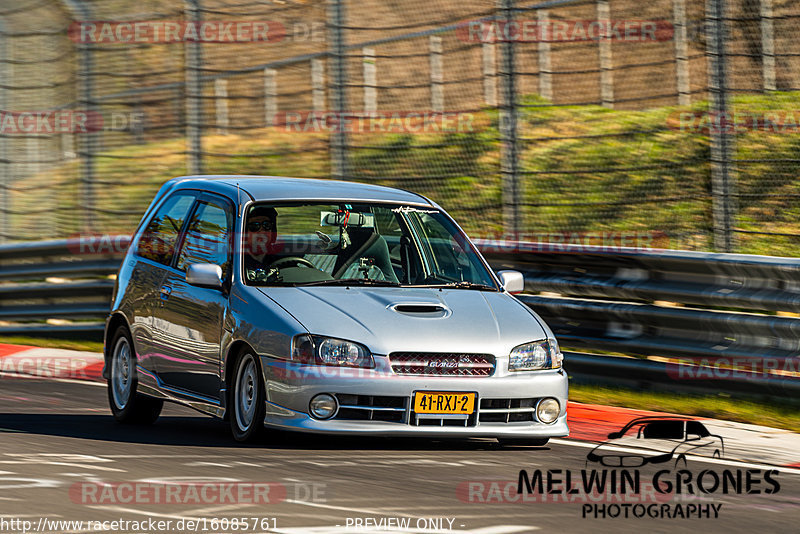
(412, 319)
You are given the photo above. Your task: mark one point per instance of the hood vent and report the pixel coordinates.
(421, 309)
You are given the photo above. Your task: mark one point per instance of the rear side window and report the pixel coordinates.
(161, 234)
(208, 238)
(695, 429)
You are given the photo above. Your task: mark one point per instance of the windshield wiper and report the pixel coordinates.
(464, 284)
(350, 282)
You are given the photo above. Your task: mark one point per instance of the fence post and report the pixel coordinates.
(85, 100)
(606, 59)
(193, 94)
(318, 85)
(68, 146)
(768, 45)
(681, 52)
(545, 66)
(337, 54)
(437, 74)
(86, 74)
(722, 175)
(270, 96)
(5, 181)
(509, 165)
(46, 223)
(221, 106)
(370, 80)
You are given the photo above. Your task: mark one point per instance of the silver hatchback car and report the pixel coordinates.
(325, 306)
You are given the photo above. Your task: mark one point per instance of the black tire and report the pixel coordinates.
(247, 399)
(127, 405)
(523, 442)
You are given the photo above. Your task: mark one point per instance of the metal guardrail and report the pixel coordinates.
(712, 318)
(716, 322)
(58, 287)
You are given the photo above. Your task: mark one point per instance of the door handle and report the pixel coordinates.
(165, 292)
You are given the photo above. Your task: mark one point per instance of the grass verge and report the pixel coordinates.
(54, 343)
(773, 413)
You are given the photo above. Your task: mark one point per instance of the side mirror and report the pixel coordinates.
(204, 275)
(512, 281)
(615, 435)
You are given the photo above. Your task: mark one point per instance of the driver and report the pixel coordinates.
(261, 233)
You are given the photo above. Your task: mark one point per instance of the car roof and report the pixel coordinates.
(280, 188)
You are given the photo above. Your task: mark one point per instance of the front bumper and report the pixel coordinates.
(290, 387)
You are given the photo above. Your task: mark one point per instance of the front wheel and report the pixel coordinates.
(523, 442)
(247, 400)
(127, 405)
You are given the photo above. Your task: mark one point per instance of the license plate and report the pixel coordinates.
(458, 403)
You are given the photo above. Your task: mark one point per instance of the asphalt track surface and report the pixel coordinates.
(57, 438)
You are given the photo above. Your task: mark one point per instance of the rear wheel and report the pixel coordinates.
(127, 405)
(247, 399)
(523, 442)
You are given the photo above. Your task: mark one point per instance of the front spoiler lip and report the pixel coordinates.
(286, 419)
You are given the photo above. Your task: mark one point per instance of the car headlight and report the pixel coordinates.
(322, 350)
(543, 354)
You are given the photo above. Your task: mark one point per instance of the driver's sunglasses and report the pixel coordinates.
(255, 226)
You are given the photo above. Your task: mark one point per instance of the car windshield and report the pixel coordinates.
(315, 243)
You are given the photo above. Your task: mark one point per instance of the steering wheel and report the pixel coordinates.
(292, 260)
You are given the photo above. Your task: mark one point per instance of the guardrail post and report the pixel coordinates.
(318, 85)
(193, 94)
(337, 54)
(221, 106)
(509, 165)
(606, 58)
(437, 74)
(489, 63)
(270, 96)
(722, 173)
(370, 80)
(681, 52)
(545, 65)
(768, 45)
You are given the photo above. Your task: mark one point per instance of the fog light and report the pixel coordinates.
(548, 409)
(323, 406)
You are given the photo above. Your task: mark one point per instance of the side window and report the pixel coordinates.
(161, 233)
(664, 430)
(208, 237)
(695, 429)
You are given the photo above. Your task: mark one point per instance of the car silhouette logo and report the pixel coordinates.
(661, 440)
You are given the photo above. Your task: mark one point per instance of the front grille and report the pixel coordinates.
(508, 410)
(371, 408)
(442, 364)
(401, 410)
